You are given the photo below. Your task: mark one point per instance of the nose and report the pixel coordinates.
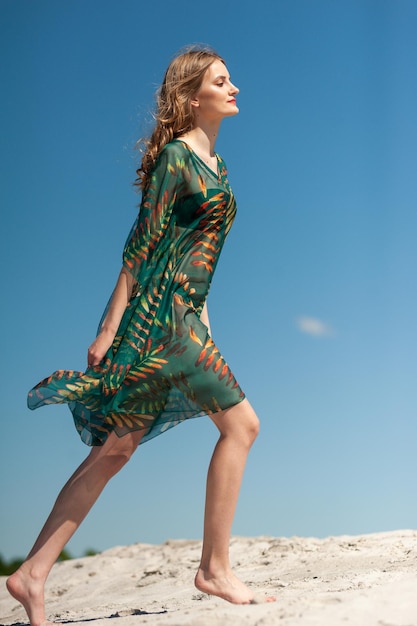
(233, 89)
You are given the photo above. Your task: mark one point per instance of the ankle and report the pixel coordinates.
(31, 570)
(213, 569)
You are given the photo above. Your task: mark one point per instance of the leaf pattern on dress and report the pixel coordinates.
(163, 367)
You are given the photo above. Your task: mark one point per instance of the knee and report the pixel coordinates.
(115, 455)
(239, 424)
(116, 460)
(245, 434)
(246, 428)
(252, 428)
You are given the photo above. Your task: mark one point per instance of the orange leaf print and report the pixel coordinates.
(209, 362)
(223, 372)
(202, 184)
(194, 337)
(202, 356)
(217, 365)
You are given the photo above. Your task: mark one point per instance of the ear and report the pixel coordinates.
(194, 102)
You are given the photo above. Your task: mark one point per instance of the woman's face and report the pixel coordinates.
(216, 97)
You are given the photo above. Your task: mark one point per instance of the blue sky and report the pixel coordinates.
(314, 301)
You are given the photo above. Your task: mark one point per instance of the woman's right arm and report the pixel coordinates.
(143, 240)
(117, 307)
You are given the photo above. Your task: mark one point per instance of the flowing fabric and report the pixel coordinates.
(163, 367)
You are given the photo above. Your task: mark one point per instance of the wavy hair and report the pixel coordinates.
(174, 114)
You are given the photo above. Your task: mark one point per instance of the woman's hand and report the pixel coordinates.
(99, 347)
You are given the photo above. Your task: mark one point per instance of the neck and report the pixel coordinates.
(203, 138)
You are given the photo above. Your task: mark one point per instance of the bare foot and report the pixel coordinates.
(29, 593)
(228, 587)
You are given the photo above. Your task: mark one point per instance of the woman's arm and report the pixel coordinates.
(205, 318)
(117, 307)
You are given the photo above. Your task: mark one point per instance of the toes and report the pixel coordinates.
(260, 599)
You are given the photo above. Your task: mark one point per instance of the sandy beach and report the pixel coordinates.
(365, 580)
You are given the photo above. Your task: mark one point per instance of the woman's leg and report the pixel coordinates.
(238, 428)
(72, 505)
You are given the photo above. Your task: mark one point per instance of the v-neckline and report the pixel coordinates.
(217, 175)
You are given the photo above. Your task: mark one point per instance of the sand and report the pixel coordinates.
(366, 580)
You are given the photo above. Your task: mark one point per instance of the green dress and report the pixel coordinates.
(163, 367)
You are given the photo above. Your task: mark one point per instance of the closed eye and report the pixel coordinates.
(220, 80)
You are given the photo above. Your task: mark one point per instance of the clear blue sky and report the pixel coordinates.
(314, 301)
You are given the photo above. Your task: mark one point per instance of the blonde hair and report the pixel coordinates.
(174, 114)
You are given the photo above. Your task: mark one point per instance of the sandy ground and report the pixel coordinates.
(367, 580)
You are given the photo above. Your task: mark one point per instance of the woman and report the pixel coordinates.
(153, 363)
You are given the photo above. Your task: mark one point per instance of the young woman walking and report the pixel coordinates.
(153, 363)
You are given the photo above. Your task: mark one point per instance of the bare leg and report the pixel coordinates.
(238, 428)
(72, 505)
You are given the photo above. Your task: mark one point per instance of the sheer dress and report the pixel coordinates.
(163, 367)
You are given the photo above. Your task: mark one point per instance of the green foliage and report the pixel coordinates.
(90, 552)
(65, 555)
(8, 567)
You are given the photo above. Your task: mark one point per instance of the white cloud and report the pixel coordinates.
(314, 327)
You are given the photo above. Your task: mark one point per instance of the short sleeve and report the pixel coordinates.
(155, 212)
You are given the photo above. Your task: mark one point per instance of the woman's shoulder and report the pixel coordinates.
(173, 158)
(175, 148)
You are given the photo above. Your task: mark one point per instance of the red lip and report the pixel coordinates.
(232, 101)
